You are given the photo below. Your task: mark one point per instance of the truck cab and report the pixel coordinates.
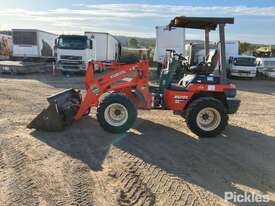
(243, 66)
(73, 52)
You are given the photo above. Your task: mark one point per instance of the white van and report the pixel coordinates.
(243, 66)
(266, 66)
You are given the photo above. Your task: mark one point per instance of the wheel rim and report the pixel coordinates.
(116, 114)
(208, 119)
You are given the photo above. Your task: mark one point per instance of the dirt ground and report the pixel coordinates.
(159, 162)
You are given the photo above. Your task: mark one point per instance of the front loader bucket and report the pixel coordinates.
(48, 120)
(61, 111)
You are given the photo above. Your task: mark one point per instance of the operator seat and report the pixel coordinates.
(183, 83)
(199, 72)
(207, 67)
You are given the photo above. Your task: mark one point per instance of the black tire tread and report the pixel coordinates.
(152, 185)
(115, 97)
(198, 104)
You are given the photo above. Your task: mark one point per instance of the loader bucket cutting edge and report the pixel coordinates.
(48, 120)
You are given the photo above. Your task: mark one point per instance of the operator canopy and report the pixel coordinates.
(206, 23)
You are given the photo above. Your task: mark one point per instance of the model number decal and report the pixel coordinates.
(180, 99)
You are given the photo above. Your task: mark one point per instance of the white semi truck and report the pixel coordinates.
(73, 52)
(32, 44)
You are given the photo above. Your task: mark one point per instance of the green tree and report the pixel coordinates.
(133, 42)
(244, 47)
(247, 48)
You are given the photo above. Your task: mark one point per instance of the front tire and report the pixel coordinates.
(116, 113)
(206, 117)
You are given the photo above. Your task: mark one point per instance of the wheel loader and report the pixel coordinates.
(203, 96)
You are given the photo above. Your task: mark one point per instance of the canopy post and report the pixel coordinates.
(222, 54)
(206, 43)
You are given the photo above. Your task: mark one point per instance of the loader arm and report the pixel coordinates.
(67, 106)
(113, 81)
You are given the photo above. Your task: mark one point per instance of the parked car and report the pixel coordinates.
(266, 66)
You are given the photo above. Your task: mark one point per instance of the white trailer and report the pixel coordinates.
(31, 43)
(173, 39)
(232, 49)
(107, 47)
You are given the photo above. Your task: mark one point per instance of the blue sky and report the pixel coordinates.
(254, 19)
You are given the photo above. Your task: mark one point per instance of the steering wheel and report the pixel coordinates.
(180, 56)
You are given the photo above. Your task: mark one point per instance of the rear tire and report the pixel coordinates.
(206, 117)
(116, 113)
